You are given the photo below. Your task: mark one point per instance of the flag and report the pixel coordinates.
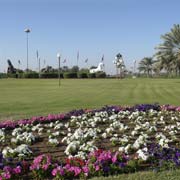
(19, 61)
(37, 54)
(78, 55)
(102, 59)
(86, 60)
(64, 61)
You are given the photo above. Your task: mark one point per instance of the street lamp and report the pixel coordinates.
(59, 75)
(27, 31)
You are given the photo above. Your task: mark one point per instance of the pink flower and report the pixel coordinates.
(114, 158)
(6, 175)
(77, 171)
(17, 170)
(85, 170)
(61, 170)
(54, 172)
(97, 168)
(45, 166)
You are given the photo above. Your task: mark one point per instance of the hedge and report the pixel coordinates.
(100, 75)
(51, 75)
(82, 75)
(12, 75)
(91, 75)
(3, 75)
(70, 75)
(31, 75)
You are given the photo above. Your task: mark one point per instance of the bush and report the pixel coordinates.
(91, 75)
(100, 75)
(70, 75)
(82, 75)
(31, 75)
(20, 75)
(12, 75)
(51, 75)
(3, 75)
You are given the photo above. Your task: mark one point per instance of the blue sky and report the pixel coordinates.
(94, 27)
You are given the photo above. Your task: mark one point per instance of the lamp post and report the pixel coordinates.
(27, 31)
(59, 72)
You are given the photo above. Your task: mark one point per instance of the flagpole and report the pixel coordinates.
(18, 64)
(39, 67)
(77, 58)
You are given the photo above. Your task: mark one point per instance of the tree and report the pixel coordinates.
(75, 69)
(169, 51)
(146, 65)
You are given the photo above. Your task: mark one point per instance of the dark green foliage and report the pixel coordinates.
(51, 75)
(100, 75)
(9, 75)
(3, 75)
(91, 75)
(74, 69)
(32, 75)
(70, 75)
(82, 75)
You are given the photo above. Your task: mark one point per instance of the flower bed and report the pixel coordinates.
(88, 143)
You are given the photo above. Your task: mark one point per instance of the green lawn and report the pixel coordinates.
(20, 98)
(164, 175)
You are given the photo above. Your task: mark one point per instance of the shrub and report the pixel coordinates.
(70, 75)
(20, 75)
(31, 75)
(82, 75)
(51, 75)
(100, 75)
(12, 75)
(3, 75)
(93, 75)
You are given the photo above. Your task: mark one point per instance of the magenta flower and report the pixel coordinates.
(54, 171)
(6, 175)
(114, 158)
(17, 170)
(97, 168)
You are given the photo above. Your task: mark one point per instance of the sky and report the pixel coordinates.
(92, 27)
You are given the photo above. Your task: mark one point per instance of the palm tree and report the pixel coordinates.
(146, 65)
(169, 51)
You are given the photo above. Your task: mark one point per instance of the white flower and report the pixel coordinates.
(58, 126)
(53, 141)
(142, 154)
(57, 133)
(16, 131)
(104, 135)
(2, 135)
(72, 148)
(122, 149)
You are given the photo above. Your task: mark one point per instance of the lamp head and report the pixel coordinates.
(58, 55)
(27, 30)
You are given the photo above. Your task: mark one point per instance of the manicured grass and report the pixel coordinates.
(21, 98)
(164, 175)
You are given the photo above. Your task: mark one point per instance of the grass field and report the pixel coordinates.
(21, 98)
(163, 175)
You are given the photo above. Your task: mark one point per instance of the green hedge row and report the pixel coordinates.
(67, 75)
(3, 75)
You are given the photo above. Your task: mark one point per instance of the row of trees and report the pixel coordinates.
(50, 72)
(166, 60)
